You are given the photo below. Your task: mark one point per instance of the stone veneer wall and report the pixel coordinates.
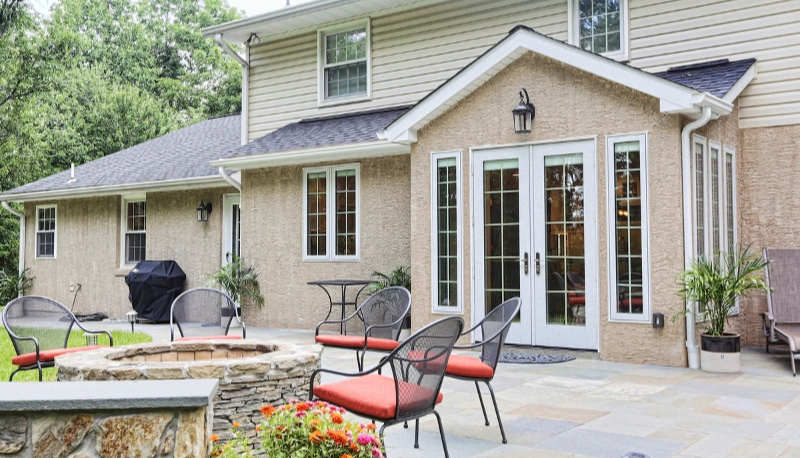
(106, 420)
(251, 373)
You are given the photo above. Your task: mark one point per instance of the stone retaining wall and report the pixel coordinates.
(106, 420)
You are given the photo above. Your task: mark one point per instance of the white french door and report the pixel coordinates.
(534, 220)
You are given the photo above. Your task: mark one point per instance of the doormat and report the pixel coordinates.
(533, 358)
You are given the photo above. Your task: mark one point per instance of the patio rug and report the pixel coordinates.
(533, 358)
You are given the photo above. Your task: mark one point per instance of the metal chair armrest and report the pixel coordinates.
(343, 374)
(110, 338)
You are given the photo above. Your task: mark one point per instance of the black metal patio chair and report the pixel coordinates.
(377, 320)
(204, 314)
(417, 367)
(39, 329)
(493, 329)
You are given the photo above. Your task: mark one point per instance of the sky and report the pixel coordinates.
(251, 7)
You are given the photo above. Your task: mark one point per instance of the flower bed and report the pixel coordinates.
(312, 429)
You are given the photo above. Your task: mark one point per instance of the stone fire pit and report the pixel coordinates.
(251, 373)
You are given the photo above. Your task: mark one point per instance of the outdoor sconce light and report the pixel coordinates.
(203, 210)
(523, 113)
(658, 320)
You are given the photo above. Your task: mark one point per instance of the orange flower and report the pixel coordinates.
(354, 446)
(213, 438)
(337, 418)
(315, 423)
(338, 437)
(347, 455)
(267, 410)
(302, 407)
(236, 424)
(371, 426)
(316, 437)
(258, 427)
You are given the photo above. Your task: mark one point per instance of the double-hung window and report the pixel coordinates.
(46, 231)
(446, 232)
(714, 205)
(628, 228)
(344, 61)
(331, 215)
(600, 26)
(134, 225)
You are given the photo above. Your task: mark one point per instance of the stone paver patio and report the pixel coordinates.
(590, 408)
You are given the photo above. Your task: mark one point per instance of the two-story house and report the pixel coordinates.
(576, 153)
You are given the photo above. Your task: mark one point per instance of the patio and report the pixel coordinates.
(590, 408)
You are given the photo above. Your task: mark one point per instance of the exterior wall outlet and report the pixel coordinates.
(72, 287)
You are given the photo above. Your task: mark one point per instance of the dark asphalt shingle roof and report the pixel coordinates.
(185, 153)
(715, 77)
(344, 129)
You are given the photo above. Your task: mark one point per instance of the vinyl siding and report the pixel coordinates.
(666, 33)
(414, 51)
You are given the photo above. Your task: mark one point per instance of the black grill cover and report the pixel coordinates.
(153, 285)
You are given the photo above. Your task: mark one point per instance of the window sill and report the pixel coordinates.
(344, 100)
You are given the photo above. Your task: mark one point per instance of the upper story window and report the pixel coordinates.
(344, 62)
(45, 231)
(330, 213)
(134, 226)
(600, 26)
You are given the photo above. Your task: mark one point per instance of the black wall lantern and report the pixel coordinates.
(203, 210)
(523, 113)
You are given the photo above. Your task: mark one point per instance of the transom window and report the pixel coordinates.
(134, 220)
(331, 215)
(600, 26)
(628, 228)
(446, 232)
(46, 231)
(344, 59)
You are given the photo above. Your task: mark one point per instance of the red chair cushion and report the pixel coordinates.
(29, 359)
(179, 339)
(374, 396)
(373, 343)
(469, 366)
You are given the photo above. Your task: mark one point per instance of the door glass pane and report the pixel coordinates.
(501, 231)
(565, 261)
(236, 230)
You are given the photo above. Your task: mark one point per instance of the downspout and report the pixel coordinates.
(692, 349)
(21, 217)
(245, 81)
(230, 179)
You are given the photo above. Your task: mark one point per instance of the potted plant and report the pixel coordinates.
(239, 281)
(715, 284)
(401, 276)
(14, 285)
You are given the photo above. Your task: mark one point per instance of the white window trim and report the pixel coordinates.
(573, 30)
(330, 215)
(37, 232)
(124, 225)
(321, 99)
(646, 315)
(435, 308)
(702, 141)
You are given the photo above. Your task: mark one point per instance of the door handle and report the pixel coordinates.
(524, 262)
(538, 264)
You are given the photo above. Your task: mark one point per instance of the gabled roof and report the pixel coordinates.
(343, 136)
(176, 160)
(674, 97)
(717, 77)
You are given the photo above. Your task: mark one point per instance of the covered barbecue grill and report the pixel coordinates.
(153, 285)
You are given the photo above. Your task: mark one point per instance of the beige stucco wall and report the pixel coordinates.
(272, 237)
(88, 247)
(768, 202)
(569, 104)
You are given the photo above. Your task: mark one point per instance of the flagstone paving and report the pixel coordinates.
(592, 408)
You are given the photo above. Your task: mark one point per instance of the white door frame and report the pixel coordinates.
(228, 201)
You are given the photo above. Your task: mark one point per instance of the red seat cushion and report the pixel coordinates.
(29, 359)
(374, 396)
(208, 338)
(468, 366)
(373, 343)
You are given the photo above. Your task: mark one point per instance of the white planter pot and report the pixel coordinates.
(720, 363)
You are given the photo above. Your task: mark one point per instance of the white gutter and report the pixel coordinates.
(21, 217)
(323, 154)
(230, 179)
(244, 62)
(692, 349)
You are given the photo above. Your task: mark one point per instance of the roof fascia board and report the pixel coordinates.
(672, 95)
(101, 191)
(740, 85)
(295, 157)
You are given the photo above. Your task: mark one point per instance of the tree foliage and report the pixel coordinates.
(98, 76)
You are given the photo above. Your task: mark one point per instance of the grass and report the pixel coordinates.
(76, 339)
